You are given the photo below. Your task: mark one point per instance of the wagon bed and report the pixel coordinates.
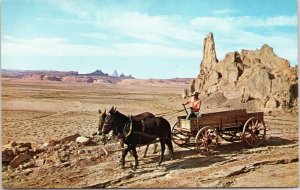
(232, 125)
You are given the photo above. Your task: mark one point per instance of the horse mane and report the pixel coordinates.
(122, 116)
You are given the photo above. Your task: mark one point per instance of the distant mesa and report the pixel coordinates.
(248, 75)
(98, 73)
(97, 76)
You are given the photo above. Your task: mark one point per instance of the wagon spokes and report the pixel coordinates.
(207, 139)
(254, 132)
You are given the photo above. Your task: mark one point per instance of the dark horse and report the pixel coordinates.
(139, 117)
(138, 132)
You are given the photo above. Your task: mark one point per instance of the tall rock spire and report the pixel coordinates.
(209, 54)
(252, 75)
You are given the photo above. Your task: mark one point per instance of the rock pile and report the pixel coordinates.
(16, 154)
(248, 75)
(64, 152)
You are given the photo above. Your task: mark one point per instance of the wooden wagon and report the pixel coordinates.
(233, 125)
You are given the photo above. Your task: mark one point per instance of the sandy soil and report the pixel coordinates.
(41, 112)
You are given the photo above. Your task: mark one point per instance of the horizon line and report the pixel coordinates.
(109, 75)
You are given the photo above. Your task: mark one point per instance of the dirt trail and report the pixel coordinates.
(45, 112)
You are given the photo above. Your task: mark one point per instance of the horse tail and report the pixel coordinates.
(167, 125)
(170, 134)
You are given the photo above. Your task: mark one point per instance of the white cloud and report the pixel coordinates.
(232, 33)
(245, 21)
(282, 21)
(57, 47)
(140, 34)
(153, 29)
(221, 12)
(35, 41)
(97, 36)
(80, 10)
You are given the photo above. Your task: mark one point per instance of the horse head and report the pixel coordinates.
(109, 121)
(101, 119)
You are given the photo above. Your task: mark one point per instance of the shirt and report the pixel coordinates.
(195, 104)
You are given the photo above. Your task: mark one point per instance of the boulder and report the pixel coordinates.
(70, 138)
(83, 140)
(18, 160)
(81, 151)
(23, 145)
(10, 151)
(8, 155)
(55, 158)
(13, 144)
(39, 162)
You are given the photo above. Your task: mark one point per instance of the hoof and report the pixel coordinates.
(133, 167)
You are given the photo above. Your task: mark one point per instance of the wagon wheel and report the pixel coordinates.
(207, 139)
(254, 132)
(179, 137)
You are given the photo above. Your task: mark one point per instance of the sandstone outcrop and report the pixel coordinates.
(72, 79)
(39, 77)
(248, 75)
(51, 78)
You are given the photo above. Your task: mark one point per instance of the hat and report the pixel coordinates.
(195, 93)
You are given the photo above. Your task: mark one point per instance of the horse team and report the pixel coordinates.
(141, 129)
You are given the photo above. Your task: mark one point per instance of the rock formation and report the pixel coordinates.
(249, 75)
(97, 73)
(72, 79)
(115, 74)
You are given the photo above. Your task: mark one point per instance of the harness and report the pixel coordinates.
(128, 130)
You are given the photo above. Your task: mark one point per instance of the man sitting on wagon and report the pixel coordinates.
(196, 103)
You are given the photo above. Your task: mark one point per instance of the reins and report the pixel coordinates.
(108, 140)
(168, 113)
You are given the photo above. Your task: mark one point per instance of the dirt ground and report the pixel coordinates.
(43, 112)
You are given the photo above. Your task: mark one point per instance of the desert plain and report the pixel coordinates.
(42, 113)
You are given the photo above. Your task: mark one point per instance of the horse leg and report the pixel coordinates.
(121, 141)
(162, 151)
(170, 146)
(145, 153)
(124, 153)
(136, 162)
(154, 148)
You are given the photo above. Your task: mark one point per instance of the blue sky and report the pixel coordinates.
(148, 39)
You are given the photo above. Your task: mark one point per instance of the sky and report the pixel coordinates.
(145, 38)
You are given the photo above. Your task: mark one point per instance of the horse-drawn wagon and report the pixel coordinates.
(233, 125)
